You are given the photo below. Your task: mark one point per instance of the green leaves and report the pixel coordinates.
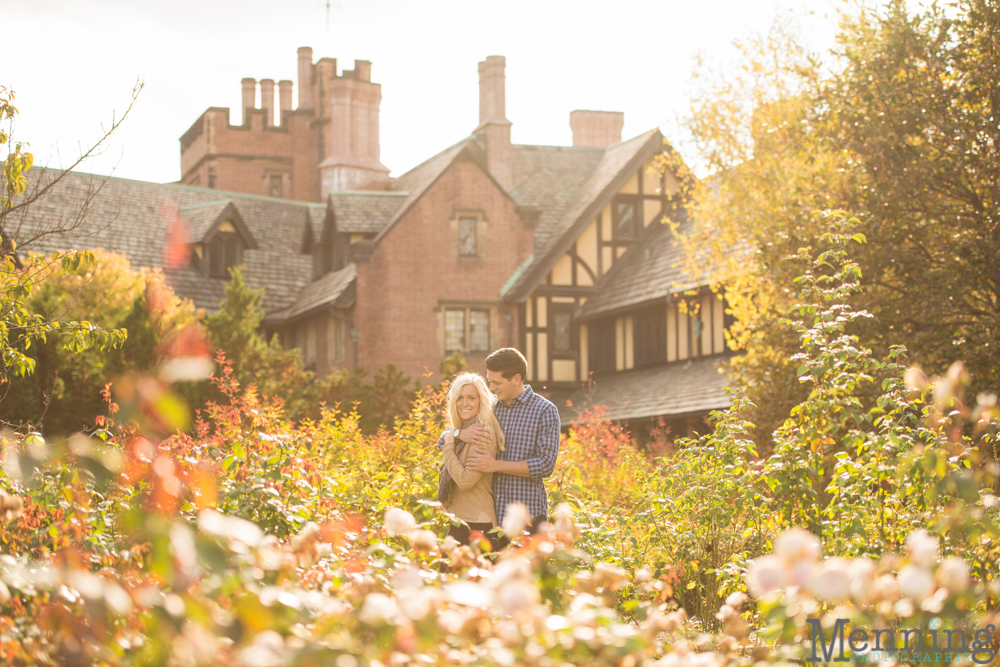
(21, 327)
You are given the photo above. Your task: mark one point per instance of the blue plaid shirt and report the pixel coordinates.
(531, 433)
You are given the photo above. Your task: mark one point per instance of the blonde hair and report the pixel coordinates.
(485, 415)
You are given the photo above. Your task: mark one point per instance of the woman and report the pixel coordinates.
(466, 494)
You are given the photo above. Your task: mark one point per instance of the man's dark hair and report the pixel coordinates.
(508, 362)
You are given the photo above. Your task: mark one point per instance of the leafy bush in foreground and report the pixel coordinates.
(255, 541)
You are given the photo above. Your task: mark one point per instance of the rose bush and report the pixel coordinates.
(242, 538)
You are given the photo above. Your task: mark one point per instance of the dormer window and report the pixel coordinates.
(220, 236)
(224, 252)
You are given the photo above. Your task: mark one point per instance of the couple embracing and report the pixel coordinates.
(503, 442)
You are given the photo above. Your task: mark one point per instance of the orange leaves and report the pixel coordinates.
(177, 246)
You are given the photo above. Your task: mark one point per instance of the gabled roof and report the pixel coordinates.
(202, 218)
(203, 221)
(675, 390)
(312, 229)
(612, 170)
(135, 218)
(365, 212)
(315, 218)
(417, 180)
(334, 290)
(550, 178)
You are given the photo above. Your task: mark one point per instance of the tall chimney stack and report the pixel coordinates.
(284, 99)
(267, 101)
(249, 101)
(599, 129)
(305, 78)
(493, 124)
(352, 154)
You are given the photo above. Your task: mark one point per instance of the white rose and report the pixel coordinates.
(398, 522)
(915, 582)
(736, 600)
(766, 574)
(379, 609)
(515, 520)
(922, 548)
(953, 574)
(832, 581)
(797, 544)
(425, 540)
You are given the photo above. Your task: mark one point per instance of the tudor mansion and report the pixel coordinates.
(561, 251)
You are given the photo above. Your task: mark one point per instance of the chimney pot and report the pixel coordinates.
(492, 89)
(493, 123)
(599, 129)
(305, 77)
(267, 101)
(249, 101)
(284, 98)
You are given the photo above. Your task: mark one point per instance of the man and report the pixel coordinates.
(530, 426)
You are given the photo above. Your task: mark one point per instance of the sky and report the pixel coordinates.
(78, 61)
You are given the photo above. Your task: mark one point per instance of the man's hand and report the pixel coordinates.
(481, 461)
(477, 434)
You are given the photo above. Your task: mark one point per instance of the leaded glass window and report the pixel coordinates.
(454, 330)
(626, 220)
(479, 331)
(562, 340)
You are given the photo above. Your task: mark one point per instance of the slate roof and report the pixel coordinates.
(550, 178)
(333, 289)
(134, 218)
(651, 270)
(365, 212)
(608, 167)
(674, 390)
(200, 218)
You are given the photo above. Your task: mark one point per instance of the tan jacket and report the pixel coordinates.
(472, 499)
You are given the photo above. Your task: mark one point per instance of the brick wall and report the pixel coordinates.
(416, 266)
(243, 157)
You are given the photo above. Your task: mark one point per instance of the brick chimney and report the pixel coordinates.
(352, 148)
(306, 77)
(267, 101)
(284, 99)
(494, 128)
(599, 129)
(249, 101)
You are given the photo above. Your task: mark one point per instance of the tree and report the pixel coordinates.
(898, 126)
(25, 329)
(276, 372)
(62, 394)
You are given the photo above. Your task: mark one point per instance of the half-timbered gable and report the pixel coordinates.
(606, 303)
